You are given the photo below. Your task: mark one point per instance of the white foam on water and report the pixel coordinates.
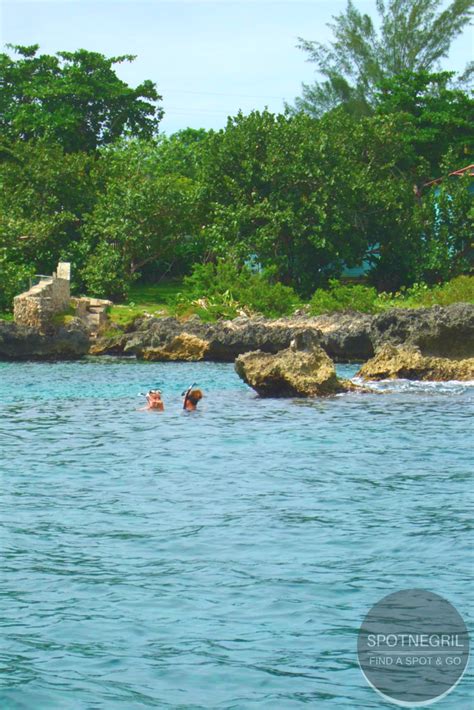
(451, 387)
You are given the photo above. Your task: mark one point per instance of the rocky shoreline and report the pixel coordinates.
(22, 342)
(436, 332)
(345, 337)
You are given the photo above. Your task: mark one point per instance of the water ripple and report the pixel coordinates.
(222, 559)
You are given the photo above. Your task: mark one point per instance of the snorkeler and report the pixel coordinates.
(154, 401)
(191, 399)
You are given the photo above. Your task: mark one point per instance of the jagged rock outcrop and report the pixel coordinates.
(225, 339)
(439, 331)
(302, 369)
(20, 342)
(400, 362)
(110, 344)
(182, 347)
(345, 337)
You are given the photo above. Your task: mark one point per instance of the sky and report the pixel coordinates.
(208, 59)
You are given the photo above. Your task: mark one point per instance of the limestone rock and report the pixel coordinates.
(303, 369)
(226, 339)
(440, 331)
(399, 362)
(109, 345)
(183, 347)
(345, 336)
(19, 342)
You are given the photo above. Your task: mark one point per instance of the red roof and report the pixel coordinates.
(469, 169)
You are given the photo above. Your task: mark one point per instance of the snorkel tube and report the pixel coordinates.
(186, 394)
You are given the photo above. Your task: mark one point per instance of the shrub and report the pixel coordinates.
(14, 278)
(458, 289)
(343, 297)
(270, 299)
(225, 290)
(420, 295)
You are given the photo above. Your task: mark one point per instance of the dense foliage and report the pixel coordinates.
(142, 215)
(225, 290)
(74, 98)
(269, 207)
(343, 297)
(357, 297)
(438, 118)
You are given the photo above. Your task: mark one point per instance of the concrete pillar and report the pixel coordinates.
(64, 270)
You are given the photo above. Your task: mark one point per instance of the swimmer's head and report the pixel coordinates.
(194, 396)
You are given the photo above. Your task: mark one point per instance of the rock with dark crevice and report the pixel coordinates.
(345, 337)
(19, 342)
(439, 331)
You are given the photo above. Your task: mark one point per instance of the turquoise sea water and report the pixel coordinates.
(223, 558)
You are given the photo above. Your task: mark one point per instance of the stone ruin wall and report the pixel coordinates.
(92, 312)
(51, 297)
(38, 306)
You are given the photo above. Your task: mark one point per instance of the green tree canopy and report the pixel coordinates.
(309, 197)
(143, 215)
(44, 196)
(409, 35)
(438, 119)
(74, 98)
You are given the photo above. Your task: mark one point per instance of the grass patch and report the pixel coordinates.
(155, 294)
(146, 299)
(214, 300)
(6, 315)
(64, 318)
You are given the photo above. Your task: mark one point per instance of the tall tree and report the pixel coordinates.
(439, 119)
(308, 196)
(143, 216)
(409, 35)
(74, 98)
(44, 196)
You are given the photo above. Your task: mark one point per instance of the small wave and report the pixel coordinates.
(449, 387)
